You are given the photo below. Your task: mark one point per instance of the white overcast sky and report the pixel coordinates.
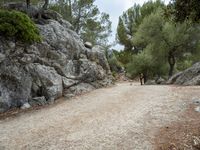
(115, 8)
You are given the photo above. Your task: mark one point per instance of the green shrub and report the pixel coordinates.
(123, 57)
(19, 26)
(114, 74)
(115, 65)
(184, 65)
(141, 63)
(145, 63)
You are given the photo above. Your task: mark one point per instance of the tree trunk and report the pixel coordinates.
(77, 23)
(145, 77)
(28, 3)
(171, 69)
(171, 61)
(70, 11)
(45, 4)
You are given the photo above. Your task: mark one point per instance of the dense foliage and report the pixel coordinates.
(115, 65)
(19, 26)
(130, 21)
(182, 10)
(28, 2)
(166, 41)
(157, 46)
(84, 16)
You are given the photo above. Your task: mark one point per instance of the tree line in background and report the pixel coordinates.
(84, 16)
(86, 19)
(159, 39)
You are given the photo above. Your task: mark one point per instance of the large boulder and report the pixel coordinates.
(42, 72)
(45, 79)
(160, 80)
(150, 82)
(88, 45)
(156, 81)
(38, 101)
(190, 76)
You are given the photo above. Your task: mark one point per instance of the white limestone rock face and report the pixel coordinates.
(190, 76)
(42, 72)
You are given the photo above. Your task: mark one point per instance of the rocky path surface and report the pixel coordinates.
(121, 117)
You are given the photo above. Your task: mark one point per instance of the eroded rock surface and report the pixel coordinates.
(190, 76)
(42, 72)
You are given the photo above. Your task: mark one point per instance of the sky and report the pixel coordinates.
(115, 8)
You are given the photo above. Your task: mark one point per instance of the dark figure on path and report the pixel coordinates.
(141, 78)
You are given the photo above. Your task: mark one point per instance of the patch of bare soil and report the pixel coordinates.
(181, 135)
(123, 117)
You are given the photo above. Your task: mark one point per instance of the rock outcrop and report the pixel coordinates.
(59, 66)
(157, 81)
(190, 76)
(151, 82)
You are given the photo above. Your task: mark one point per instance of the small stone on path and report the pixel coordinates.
(197, 109)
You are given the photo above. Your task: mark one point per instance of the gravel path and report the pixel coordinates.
(123, 117)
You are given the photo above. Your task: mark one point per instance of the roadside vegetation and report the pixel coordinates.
(18, 26)
(158, 39)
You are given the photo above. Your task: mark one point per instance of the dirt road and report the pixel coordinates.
(120, 117)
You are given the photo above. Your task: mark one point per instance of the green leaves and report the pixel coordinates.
(115, 65)
(86, 19)
(141, 63)
(164, 40)
(97, 31)
(127, 26)
(181, 10)
(130, 21)
(162, 45)
(19, 26)
(122, 35)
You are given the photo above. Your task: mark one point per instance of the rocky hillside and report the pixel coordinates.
(191, 76)
(59, 66)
